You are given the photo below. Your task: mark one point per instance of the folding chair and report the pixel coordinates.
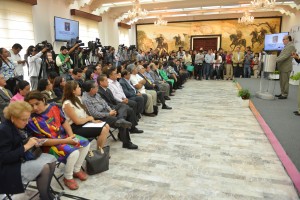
(111, 134)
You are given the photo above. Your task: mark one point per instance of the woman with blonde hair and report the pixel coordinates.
(76, 115)
(16, 168)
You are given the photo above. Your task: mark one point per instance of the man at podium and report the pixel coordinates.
(285, 66)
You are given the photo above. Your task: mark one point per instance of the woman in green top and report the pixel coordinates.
(163, 74)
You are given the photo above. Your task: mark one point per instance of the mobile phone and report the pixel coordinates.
(40, 143)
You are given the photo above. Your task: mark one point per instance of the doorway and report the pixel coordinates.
(206, 42)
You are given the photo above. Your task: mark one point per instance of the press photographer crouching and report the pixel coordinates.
(17, 166)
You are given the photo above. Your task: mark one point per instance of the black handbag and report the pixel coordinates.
(33, 153)
(97, 162)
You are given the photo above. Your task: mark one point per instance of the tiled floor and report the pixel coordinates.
(207, 147)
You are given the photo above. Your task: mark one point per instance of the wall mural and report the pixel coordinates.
(174, 35)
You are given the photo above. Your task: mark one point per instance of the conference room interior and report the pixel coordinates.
(209, 146)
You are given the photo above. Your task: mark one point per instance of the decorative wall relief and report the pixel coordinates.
(178, 34)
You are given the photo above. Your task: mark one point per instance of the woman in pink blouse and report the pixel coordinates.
(21, 91)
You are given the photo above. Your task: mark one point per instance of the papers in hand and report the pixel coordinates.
(95, 125)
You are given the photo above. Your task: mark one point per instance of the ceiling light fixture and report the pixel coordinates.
(136, 12)
(263, 4)
(247, 18)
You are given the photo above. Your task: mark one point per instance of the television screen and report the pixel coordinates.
(273, 42)
(65, 29)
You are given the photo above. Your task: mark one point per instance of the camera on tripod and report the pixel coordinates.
(44, 44)
(94, 44)
(74, 41)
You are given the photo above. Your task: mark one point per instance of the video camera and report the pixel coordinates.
(132, 47)
(93, 45)
(74, 41)
(44, 44)
(105, 49)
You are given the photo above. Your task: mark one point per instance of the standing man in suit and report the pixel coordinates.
(285, 66)
(237, 62)
(5, 96)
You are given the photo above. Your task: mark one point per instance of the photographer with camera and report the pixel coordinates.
(111, 57)
(63, 62)
(35, 64)
(17, 60)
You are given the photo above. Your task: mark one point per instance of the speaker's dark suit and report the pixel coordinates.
(4, 101)
(123, 110)
(130, 93)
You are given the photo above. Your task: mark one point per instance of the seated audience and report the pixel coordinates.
(48, 121)
(131, 93)
(152, 87)
(99, 109)
(22, 90)
(123, 109)
(46, 88)
(14, 143)
(58, 86)
(5, 96)
(138, 82)
(76, 115)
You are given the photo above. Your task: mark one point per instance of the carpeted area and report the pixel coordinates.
(279, 116)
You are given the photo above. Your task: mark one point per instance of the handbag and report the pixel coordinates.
(33, 153)
(97, 161)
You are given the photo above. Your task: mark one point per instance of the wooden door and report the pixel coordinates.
(205, 43)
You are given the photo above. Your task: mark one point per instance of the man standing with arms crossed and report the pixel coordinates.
(284, 64)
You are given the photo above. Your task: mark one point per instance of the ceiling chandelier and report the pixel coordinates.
(136, 12)
(246, 18)
(160, 22)
(260, 4)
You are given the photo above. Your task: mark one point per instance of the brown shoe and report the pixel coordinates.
(71, 184)
(81, 175)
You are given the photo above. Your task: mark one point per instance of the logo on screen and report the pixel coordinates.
(67, 26)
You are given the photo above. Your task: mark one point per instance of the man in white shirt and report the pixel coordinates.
(34, 63)
(17, 60)
(138, 82)
(117, 90)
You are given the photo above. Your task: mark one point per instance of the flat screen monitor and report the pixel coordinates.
(273, 42)
(65, 29)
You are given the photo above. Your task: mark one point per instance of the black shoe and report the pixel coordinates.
(149, 114)
(278, 95)
(130, 145)
(282, 97)
(167, 98)
(122, 123)
(166, 107)
(135, 130)
(297, 113)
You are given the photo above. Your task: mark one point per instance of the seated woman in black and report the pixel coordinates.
(58, 86)
(14, 143)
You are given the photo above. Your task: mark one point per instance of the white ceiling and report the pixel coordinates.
(182, 10)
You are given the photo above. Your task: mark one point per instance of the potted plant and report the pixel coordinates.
(274, 76)
(294, 79)
(245, 96)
